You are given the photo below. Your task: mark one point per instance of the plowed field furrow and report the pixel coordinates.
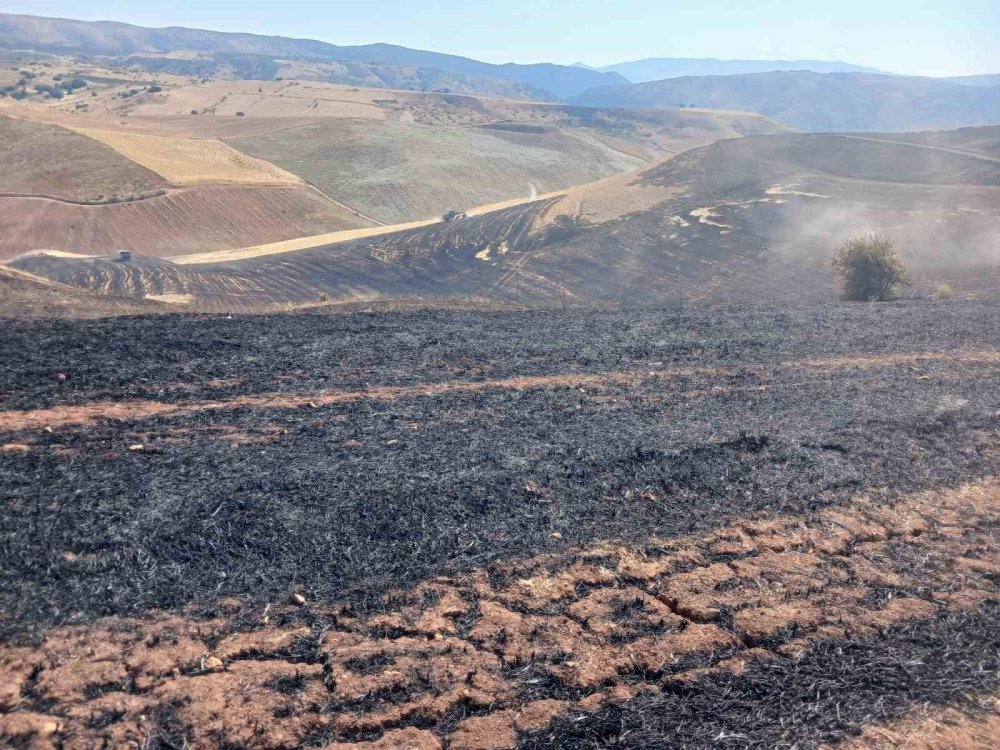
(497, 655)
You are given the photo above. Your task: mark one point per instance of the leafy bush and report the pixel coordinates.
(944, 292)
(868, 268)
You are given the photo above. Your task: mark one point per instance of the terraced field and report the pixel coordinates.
(503, 530)
(189, 220)
(40, 159)
(397, 172)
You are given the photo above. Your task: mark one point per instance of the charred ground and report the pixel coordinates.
(380, 485)
(496, 519)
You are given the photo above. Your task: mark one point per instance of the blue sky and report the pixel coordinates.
(903, 36)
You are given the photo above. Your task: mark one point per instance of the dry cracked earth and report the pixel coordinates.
(459, 530)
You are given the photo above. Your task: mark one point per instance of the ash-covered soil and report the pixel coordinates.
(471, 530)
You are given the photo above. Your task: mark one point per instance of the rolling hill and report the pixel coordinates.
(816, 102)
(168, 183)
(975, 140)
(47, 160)
(65, 36)
(658, 68)
(396, 172)
(743, 220)
(183, 220)
(230, 66)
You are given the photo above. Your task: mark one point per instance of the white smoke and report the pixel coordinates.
(532, 193)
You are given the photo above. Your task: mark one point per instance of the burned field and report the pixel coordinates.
(502, 530)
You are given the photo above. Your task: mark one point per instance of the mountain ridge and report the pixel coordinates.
(114, 38)
(819, 102)
(659, 68)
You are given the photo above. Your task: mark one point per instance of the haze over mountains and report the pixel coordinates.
(819, 102)
(658, 68)
(813, 95)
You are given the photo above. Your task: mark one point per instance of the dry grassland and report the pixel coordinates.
(186, 161)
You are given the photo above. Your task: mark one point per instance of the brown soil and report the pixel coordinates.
(190, 220)
(938, 729)
(129, 410)
(460, 660)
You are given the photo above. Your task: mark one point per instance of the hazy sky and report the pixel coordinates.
(903, 36)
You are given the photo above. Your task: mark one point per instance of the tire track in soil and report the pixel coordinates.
(485, 659)
(17, 420)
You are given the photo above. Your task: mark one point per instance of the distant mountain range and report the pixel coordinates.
(990, 79)
(819, 102)
(110, 38)
(810, 95)
(658, 68)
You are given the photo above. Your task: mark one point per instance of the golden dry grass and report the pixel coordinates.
(607, 199)
(301, 243)
(187, 161)
(332, 238)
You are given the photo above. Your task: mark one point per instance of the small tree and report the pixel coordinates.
(868, 268)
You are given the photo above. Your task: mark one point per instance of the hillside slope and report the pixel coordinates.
(41, 159)
(984, 141)
(380, 158)
(189, 220)
(832, 102)
(744, 220)
(650, 133)
(24, 296)
(399, 172)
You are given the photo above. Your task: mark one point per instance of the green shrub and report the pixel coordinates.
(944, 292)
(868, 268)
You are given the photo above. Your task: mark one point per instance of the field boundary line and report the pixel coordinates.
(14, 420)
